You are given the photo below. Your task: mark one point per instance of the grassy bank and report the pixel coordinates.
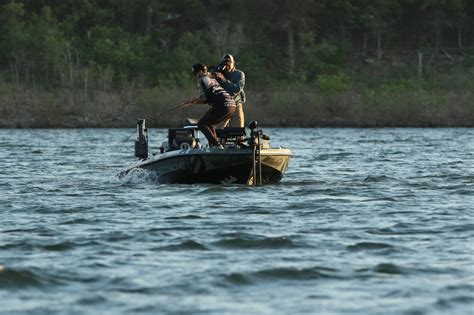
(400, 104)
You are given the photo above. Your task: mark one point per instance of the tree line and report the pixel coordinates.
(110, 44)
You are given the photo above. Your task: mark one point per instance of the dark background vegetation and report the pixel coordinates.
(103, 63)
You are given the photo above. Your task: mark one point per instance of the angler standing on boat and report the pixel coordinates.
(212, 93)
(233, 81)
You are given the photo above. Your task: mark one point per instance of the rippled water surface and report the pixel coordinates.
(365, 221)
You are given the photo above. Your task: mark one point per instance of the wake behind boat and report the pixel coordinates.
(184, 160)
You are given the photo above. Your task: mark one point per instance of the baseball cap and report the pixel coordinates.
(228, 57)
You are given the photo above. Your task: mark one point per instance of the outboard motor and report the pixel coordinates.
(141, 144)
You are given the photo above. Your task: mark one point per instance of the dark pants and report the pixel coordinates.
(212, 117)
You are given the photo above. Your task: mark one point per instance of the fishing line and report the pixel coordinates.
(159, 114)
(125, 141)
(170, 109)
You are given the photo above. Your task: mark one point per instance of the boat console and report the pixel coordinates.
(231, 135)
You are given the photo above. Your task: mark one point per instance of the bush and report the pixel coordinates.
(332, 84)
(322, 58)
(399, 86)
(124, 52)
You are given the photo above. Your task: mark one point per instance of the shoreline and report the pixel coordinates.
(300, 106)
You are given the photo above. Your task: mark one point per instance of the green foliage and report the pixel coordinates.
(13, 35)
(190, 49)
(48, 45)
(322, 58)
(115, 44)
(399, 86)
(38, 49)
(333, 83)
(174, 68)
(125, 53)
(378, 15)
(7, 88)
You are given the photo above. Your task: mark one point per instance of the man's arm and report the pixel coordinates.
(192, 101)
(236, 85)
(202, 99)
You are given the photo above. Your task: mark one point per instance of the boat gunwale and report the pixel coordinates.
(209, 152)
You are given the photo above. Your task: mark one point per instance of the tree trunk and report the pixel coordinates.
(46, 72)
(364, 47)
(16, 67)
(379, 45)
(460, 40)
(86, 75)
(291, 47)
(343, 33)
(420, 65)
(437, 34)
(149, 15)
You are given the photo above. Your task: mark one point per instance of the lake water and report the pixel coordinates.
(365, 221)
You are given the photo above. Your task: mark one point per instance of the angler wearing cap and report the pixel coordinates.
(233, 81)
(212, 93)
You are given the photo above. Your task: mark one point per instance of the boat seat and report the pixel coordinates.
(190, 122)
(178, 136)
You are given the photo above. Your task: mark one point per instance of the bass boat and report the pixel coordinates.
(183, 159)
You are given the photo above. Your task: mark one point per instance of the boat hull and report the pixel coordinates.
(214, 166)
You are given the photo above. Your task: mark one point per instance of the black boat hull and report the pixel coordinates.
(214, 166)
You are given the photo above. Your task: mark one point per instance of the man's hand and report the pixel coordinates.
(187, 102)
(191, 101)
(220, 76)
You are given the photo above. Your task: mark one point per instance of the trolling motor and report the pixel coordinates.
(141, 144)
(254, 142)
(257, 137)
(257, 141)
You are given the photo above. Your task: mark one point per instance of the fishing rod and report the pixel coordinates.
(170, 109)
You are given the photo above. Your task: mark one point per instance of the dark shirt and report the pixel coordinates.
(234, 84)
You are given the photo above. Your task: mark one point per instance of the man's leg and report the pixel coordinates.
(211, 118)
(206, 126)
(238, 119)
(223, 124)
